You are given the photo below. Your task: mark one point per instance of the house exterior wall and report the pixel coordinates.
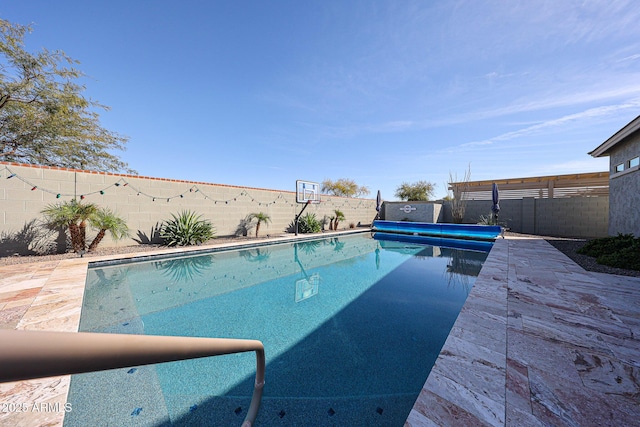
(624, 189)
(224, 205)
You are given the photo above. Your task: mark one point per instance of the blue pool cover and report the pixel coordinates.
(456, 231)
(465, 244)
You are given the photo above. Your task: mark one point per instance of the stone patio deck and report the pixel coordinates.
(540, 341)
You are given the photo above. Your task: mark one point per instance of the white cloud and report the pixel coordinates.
(630, 58)
(560, 121)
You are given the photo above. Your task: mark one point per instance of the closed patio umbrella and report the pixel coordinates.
(495, 197)
(378, 204)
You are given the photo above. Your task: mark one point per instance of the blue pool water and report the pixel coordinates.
(351, 328)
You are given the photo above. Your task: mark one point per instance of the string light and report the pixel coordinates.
(329, 202)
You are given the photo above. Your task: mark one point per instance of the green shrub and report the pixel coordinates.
(186, 229)
(309, 224)
(622, 251)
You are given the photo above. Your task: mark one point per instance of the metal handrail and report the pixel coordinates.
(26, 355)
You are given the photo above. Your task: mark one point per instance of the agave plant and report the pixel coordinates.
(309, 224)
(106, 220)
(261, 217)
(186, 229)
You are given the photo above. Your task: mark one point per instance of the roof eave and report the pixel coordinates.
(631, 128)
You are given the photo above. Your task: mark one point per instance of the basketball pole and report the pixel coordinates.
(298, 216)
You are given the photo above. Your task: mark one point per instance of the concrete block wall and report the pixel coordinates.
(575, 216)
(145, 202)
(585, 217)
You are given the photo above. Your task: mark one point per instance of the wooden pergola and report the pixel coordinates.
(555, 186)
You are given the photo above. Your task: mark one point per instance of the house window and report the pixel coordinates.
(634, 162)
(619, 168)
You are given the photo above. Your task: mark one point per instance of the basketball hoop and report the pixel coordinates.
(307, 193)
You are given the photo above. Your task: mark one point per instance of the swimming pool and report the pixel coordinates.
(351, 327)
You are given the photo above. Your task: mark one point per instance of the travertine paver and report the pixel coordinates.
(572, 353)
(539, 342)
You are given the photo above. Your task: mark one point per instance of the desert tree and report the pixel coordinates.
(344, 187)
(44, 117)
(418, 191)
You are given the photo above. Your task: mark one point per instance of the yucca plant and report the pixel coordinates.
(106, 220)
(186, 229)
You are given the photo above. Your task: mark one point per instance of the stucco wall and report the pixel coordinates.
(413, 211)
(624, 190)
(144, 202)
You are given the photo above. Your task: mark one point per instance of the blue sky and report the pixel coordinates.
(261, 93)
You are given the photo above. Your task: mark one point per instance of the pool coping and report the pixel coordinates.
(490, 371)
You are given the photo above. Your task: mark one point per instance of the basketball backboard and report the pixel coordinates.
(307, 192)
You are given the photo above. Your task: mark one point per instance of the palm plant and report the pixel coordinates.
(339, 216)
(106, 220)
(73, 216)
(186, 229)
(261, 217)
(85, 212)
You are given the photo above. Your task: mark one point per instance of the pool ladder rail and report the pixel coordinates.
(26, 355)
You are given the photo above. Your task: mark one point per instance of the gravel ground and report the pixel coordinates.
(23, 259)
(567, 246)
